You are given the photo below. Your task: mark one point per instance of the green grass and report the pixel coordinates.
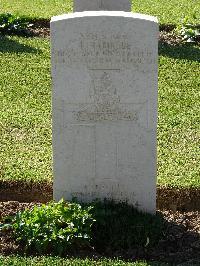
(25, 112)
(170, 11)
(36, 8)
(25, 109)
(53, 261)
(179, 121)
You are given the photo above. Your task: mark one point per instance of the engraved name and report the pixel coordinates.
(102, 51)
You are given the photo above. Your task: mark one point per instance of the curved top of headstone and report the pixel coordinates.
(87, 14)
(96, 5)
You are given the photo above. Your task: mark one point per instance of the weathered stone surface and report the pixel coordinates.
(110, 5)
(104, 69)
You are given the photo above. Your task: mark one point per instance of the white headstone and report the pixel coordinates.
(104, 69)
(111, 5)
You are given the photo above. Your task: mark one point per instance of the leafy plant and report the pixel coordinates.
(54, 227)
(188, 31)
(12, 23)
(57, 227)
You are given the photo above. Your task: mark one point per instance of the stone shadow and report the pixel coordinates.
(8, 45)
(177, 238)
(181, 51)
(180, 243)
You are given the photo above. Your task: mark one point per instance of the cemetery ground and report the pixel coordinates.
(25, 131)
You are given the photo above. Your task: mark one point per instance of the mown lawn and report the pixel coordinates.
(171, 11)
(25, 109)
(179, 120)
(25, 112)
(53, 261)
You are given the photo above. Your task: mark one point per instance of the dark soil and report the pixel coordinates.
(181, 242)
(175, 199)
(41, 28)
(178, 199)
(26, 191)
(170, 38)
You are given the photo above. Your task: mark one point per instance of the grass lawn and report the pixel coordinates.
(53, 261)
(170, 11)
(179, 120)
(25, 112)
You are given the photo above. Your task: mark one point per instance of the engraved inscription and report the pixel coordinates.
(106, 104)
(93, 50)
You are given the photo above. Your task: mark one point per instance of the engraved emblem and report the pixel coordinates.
(106, 102)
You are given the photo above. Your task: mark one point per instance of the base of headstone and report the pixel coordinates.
(97, 5)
